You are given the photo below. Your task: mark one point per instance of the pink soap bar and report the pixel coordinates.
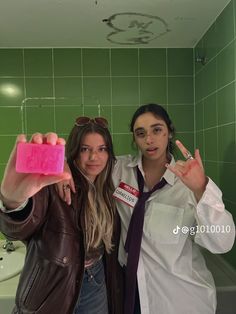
(40, 158)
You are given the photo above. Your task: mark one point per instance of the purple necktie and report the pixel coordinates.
(133, 242)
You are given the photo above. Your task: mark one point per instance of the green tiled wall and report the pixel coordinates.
(215, 106)
(46, 89)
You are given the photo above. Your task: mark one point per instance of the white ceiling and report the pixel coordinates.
(127, 23)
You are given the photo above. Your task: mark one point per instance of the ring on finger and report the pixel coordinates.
(66, 187)
(188, 156)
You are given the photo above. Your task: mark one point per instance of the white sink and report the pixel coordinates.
(11, 263)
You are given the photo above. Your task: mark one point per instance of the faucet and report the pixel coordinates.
(9, 246)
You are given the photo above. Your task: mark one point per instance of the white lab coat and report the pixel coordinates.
(172, 274)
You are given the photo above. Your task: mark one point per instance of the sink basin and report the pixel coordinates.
(11, 263)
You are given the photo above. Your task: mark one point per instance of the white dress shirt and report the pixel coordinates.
(172, 274)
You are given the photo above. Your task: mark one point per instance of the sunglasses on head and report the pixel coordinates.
(81, 121)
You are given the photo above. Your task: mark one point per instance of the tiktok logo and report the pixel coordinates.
(176, 230)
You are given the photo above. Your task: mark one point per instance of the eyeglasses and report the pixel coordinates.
(81, 121)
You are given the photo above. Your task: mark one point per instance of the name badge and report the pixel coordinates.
(126, 194)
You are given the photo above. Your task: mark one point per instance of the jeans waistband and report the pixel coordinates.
(94, 263)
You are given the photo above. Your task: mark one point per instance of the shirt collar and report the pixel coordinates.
(168, 175)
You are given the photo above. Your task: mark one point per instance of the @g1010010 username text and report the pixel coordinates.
(202, 229)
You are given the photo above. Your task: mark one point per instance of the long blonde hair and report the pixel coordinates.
(94, 197)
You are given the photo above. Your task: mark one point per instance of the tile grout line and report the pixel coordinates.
(53, 92)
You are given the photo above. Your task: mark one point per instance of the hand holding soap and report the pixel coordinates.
(40, 158)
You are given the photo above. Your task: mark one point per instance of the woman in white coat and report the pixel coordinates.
(162, 231)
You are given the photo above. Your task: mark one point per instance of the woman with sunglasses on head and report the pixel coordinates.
(67, 245)
(168, 210)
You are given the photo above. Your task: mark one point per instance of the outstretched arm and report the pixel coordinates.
(16, 188)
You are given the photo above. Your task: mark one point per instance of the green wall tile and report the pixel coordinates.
(199, 85)
(210, 111)
(227, 173)
(180, 61)
(199, 51)
(97, 90)
(152, 62)
(124, 62)
(85, 82)
(6, 143)
(68, 101)
(121, 118)
(209, 43)
(225, 27)
(11, 62)
(226, 66)
(209, 77)
(212, 170)
(199, 111)
(35, 116)
(226, 104)
(101, 111)
(215, 86)
(10, 120)
(38, 62)
(66, 116)
(153, 89)
(96, 62)
(180, 90)
(69, 87)
(2, 169)
(39, 87)
(67, 62)
(234, 11)
(123, 144)
(125, 91)
(200, 143)
(211, 145)
(39, 102)
(183, 117)
(11, 91)
(226, 142)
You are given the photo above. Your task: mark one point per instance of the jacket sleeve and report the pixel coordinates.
(21, 225)
(215, 228)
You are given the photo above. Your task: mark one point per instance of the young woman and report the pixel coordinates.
(67, 246)
(168, 210)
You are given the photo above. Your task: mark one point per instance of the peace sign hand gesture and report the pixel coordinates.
(190, 171)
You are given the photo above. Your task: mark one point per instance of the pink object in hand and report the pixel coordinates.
(40, 158)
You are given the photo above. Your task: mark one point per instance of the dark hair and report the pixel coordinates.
(95, 197)
(159, 111)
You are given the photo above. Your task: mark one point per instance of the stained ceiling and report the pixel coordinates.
(106, 23)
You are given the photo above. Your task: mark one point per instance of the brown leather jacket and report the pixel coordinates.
(51, 279)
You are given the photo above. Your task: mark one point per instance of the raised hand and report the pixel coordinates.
(18, 187)
(190, 171)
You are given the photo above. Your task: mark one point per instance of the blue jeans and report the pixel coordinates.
(93, 294)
